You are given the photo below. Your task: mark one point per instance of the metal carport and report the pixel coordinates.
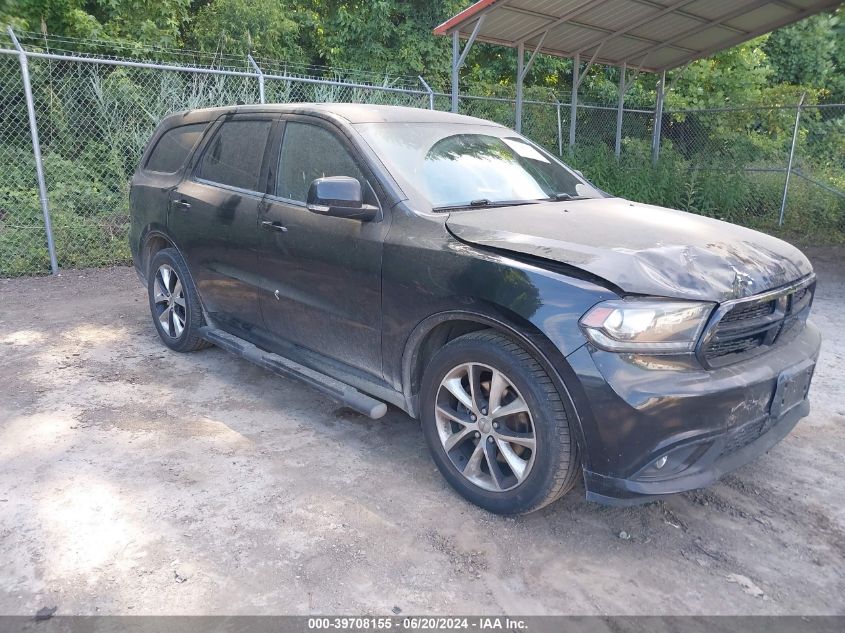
(643, 35)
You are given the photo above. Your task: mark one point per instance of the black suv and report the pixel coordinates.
(538, 327)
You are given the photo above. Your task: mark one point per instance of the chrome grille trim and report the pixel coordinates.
(744, 328)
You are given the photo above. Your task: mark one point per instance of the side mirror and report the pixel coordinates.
(340, 197)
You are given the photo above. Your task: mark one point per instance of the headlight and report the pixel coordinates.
(646, 326)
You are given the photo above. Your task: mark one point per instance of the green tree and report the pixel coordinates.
(147, 22)
(265, 28)
(737, 76)
(811, 53)
(385, 36)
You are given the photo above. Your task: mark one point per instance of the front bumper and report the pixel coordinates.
(705, 422)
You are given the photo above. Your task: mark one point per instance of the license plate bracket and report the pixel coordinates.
(792, 387)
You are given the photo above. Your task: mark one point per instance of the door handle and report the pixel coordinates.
(180, 204)
(274, 226)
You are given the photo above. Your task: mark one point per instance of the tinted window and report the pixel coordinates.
(173, 147)
(234, 155)
(310, 152)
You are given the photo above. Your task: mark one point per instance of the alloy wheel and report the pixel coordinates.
(169, 301)
(485, 427)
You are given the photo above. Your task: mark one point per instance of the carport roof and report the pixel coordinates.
(652, 35)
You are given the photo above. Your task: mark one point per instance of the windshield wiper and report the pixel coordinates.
(563, 197)
(484, 203)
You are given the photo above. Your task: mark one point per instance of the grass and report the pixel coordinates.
(726, 192)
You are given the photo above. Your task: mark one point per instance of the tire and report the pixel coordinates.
(524, 476)
(174, 303)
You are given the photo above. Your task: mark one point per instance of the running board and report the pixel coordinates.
(335, 389)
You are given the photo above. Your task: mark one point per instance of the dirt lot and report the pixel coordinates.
(134, 480)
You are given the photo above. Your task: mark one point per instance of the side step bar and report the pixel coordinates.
(338, 391)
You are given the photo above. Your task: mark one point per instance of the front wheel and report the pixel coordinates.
(496, 426)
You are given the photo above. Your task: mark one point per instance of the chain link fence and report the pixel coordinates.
(736, 162)
(23, 239)
(94, 116)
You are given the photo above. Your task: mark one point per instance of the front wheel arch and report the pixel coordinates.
(428, 336)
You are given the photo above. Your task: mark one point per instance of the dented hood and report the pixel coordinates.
(640, 248)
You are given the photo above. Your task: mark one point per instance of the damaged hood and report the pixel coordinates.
(640, 248)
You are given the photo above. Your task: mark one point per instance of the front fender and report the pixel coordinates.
(552, 361)
(452, 281)
(419, 283)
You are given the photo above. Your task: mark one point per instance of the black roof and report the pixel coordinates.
(351, 112)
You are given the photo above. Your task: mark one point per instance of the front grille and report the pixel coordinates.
(748, 312)
(747, 327)
(734, 346)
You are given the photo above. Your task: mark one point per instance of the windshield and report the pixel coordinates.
(459, 165)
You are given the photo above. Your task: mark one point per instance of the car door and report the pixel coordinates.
(214, 219)
(322, 275)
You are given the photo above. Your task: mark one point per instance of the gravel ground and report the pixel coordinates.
(134, 480)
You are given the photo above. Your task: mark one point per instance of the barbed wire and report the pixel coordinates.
(122, 51)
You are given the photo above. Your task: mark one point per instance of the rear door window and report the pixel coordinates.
(173, 147)
(310, 152)
(234, 156)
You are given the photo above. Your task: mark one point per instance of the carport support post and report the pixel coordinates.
(658, 119)
(459, 58)
(456, 54)
(620, 110)
(559, 130)
(522, 69)
(573, 105)
(791, 156)
(520, 75)
(260, 78)
(36, 151)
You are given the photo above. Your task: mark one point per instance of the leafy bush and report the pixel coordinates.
(88, 209)
(729, 193)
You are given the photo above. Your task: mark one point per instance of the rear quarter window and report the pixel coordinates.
(172, 148)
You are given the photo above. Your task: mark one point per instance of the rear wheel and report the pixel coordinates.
(496, 426)
(174, 304)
